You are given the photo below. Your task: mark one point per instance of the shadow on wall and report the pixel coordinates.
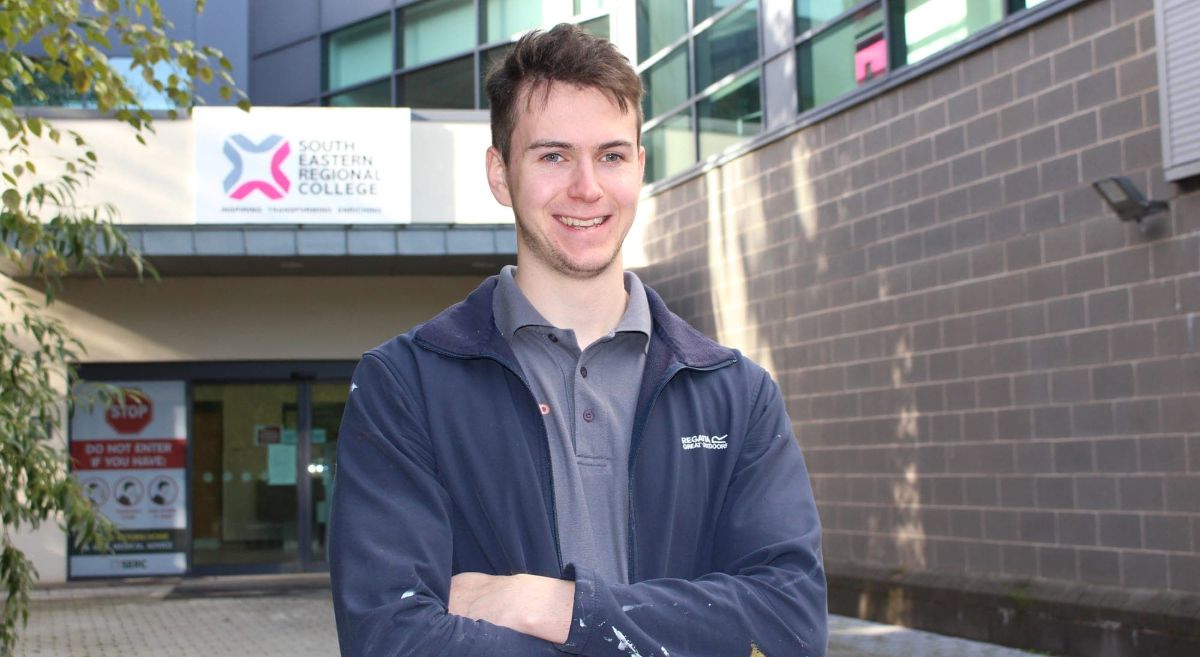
(746, 255)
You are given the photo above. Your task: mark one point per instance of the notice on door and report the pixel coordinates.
(131, 459)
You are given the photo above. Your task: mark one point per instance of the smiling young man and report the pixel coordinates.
(558, 463)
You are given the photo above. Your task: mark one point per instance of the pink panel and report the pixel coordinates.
(870, 61)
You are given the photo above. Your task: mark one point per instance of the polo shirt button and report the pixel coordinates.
(588, 415)
(553, 338)
(583, 372)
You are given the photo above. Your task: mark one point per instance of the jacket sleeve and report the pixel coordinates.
(391, 542)
(767, 596)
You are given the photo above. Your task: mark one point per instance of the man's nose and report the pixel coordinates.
(584, 185)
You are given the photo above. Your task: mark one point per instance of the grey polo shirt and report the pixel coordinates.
(588, 399)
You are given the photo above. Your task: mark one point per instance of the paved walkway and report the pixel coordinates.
(292, 617)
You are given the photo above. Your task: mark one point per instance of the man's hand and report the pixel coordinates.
(533, 605)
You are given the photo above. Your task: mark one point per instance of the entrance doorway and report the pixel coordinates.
(263, 455)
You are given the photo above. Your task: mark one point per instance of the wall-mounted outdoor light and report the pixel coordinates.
(1126, 199)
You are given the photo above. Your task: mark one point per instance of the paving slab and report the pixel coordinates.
(293, 617)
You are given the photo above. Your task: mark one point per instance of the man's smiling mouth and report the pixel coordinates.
(574, 222)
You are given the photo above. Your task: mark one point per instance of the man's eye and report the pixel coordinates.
(553, 157)
(612, 157)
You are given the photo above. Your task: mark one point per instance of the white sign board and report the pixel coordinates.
(303, 165)
(131, 460)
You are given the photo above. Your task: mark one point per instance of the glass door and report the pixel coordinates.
(262, 474)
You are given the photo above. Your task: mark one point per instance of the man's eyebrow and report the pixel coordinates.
(616, 143)
(567, 146)
(550, 143)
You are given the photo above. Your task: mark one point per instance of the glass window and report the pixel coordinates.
(815, 13)
(728, 45)
(705, 8)
(378, 94)
(507, 18)
(589, 7)
(63, 94)
(488, 58)
(840, 59)
(244, 510)
(666, 83)
(670, 146)
(359, 53)
(434, 30)
(597, 26)
(730, 115)
(933, 25)
(445, 86)
(659, 24)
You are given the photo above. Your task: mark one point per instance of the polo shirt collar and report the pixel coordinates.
(513, 310)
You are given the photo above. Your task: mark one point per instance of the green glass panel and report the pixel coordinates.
(815, 13)
(706, 8)
(730, 115)
(444, 86)
(933, 25)
(589, 7)
(659, 24)
(670, 147)
(378, 94)
(490, 57)
(507, 18)
(597, 26)
(666, 83)
(727, 45)
(435, 29)
(840, 59)
(359, 53)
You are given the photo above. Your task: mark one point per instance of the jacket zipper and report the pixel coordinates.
(547, 468)
(636, 441)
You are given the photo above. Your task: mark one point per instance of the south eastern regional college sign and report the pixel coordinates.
(131, 460)
(303, 164)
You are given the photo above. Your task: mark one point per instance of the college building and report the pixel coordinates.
(963, 235)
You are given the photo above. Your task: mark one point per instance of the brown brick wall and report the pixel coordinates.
(987, 371)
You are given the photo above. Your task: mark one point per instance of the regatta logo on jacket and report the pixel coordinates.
(707, 442)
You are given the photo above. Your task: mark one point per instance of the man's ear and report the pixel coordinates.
(497, 174)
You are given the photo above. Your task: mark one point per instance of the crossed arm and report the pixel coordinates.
(538, 606)
(391, 562)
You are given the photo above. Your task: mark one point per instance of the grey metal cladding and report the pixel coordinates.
(339, 13)
(277, 23)
(1177, 22)
(274, 80)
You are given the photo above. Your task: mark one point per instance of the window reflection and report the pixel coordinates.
(933, 25)
(445, 86)
(435, 29)
(359, 53)
(730, 115)
(841, 58)
(670, 146)
(730, 44)
(666, 83)
(371, 95)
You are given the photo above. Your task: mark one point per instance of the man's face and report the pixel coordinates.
(572, 180)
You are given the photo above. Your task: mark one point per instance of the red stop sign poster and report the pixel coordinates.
(133, 415)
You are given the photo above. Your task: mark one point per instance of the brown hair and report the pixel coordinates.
(567, 54)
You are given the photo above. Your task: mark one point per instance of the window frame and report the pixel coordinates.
(692, 103)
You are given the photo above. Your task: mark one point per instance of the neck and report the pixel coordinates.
(590, 307)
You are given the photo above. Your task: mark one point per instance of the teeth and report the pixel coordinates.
(581, 223)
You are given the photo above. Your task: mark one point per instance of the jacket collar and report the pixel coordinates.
(468, 330)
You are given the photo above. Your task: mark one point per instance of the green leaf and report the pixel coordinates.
(12, 199)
